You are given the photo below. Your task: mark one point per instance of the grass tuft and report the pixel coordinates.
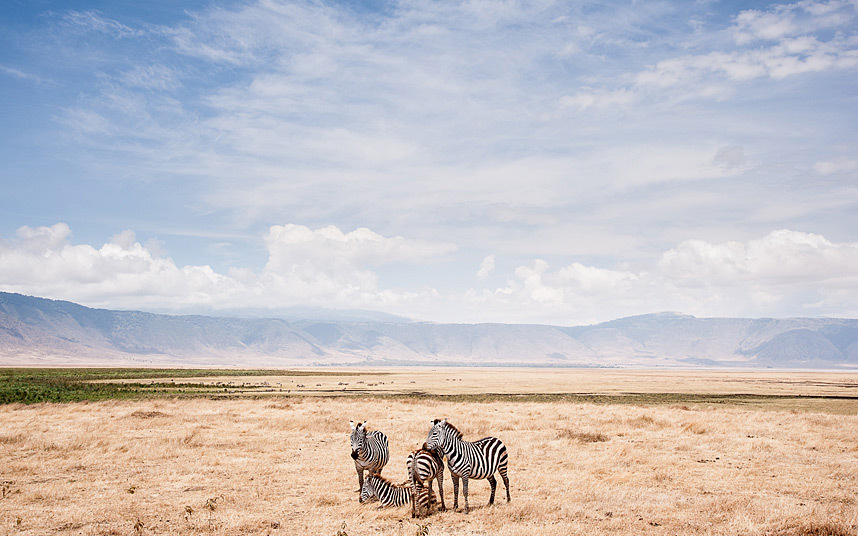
(815, 529)
(582, 437)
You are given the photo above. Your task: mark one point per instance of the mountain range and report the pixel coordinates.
(38, 331)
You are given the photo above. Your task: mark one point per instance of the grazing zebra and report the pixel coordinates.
(369, 451)
(423, 467)
(478, 459)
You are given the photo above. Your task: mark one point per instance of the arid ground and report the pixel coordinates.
(280, 464)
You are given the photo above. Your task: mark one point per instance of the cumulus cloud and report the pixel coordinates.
(783, 273)
(309, 267)
(42, 261)
(327, 264)
(486, 267)
(780, 258)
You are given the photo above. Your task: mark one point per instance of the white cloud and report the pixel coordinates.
(91, 21)
(837, 165)
(783, 273)
(486, 267)
(17, 73)
(782, 258)
(794, 47)
(598, 99)
(321, 267)
(752, 24)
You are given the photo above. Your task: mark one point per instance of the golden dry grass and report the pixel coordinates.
(282, 466)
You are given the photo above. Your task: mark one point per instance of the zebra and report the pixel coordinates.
(423, 467)
(388, 493)
(369, 451)
(478, 459)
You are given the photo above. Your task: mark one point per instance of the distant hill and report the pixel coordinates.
(37, 331)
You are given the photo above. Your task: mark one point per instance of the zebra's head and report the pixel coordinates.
(367, 492)
(358, 437)
(436, 438)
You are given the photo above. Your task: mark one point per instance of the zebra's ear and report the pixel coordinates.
(352, 424)
(444, 421)
(436, 421)
(363, 424)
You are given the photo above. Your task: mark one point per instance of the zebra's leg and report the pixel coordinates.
(441, 489)
(494, 484)
(455, 491)
(360, 477)
(502, 471)
(465, 491)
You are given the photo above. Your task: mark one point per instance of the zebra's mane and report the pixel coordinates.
(455, 430)
(388, 482)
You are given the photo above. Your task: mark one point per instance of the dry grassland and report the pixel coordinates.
(281, 466)
(469, 381)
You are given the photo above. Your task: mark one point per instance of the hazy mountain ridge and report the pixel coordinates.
(41, 331)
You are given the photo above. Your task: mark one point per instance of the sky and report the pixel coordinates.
(466, 161)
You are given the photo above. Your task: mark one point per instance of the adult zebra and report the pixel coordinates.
(369, 450)
(424, 466)
(478, 459)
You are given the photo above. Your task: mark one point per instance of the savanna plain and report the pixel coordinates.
(591, 452)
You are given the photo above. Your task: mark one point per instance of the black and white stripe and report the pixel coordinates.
(469, 460)
(369, 450)
(389, 494)
(424, 466)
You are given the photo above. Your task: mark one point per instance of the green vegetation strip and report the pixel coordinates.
(34, 385)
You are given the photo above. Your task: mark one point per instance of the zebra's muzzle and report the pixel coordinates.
(354, 455)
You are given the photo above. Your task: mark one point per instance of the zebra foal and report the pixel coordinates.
(370, 451)
(388, 493)
(423, 467)
(469, 460)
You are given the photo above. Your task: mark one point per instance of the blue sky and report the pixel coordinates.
(552, 162)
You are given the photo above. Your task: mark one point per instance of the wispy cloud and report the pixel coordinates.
(22, 75)
(93, 21)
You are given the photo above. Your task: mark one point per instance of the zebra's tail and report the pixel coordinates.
(503, 461)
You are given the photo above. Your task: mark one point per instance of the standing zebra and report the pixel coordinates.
(478, 459)
(369, 451)
(388, 493)
(423, 467)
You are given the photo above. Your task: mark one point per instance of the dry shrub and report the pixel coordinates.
(642, 421)
(12, 439)
(326, 500)
(140, 414)
(582, 437)
(192, 438)
(695, 428)
(805, 528)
